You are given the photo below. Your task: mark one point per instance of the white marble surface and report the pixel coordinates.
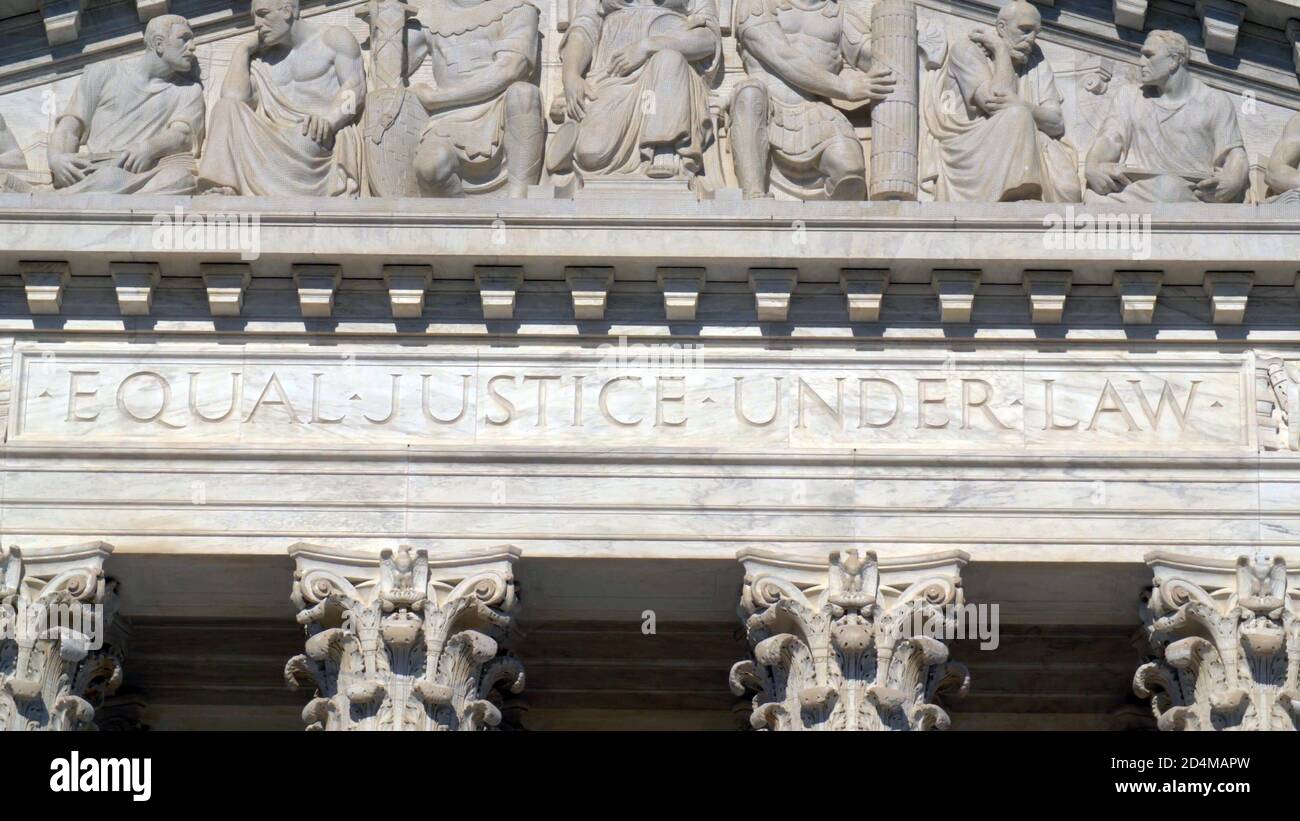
(254, 482)
(728, 237)
(621, 396)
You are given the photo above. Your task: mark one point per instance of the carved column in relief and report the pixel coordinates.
(60, 650)
(855, 645)
(1277, 402)
(6, 384)
(1226, 644)
(393, 116)
(405, 641)
(894, 120)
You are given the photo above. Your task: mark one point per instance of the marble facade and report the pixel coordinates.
(512, 364)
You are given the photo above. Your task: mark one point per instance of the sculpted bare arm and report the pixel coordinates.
(238, 84)
(575, 59)
(1102, 165)
(66, 166)
(175, 138)
(1283, 172)
(418, 47)
(350, 68)
(1229, 181)
(766, 41)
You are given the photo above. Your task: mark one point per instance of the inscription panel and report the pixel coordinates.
(616, 397)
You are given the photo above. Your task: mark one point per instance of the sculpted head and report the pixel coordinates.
(1261, 564)
(273, 20)
(1019, 23)
(169, 37)
(1164, 55)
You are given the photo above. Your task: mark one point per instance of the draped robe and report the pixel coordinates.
(1169, 147)
(118, 108)
(664, 101)
(260, 150)
(975, 157)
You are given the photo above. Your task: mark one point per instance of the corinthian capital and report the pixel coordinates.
(1226, 643)
(402, 640)
(57, 658)
(853, 645)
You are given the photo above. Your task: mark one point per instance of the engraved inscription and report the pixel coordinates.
(573, 403)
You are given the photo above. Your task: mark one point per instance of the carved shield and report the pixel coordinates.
(393, 120)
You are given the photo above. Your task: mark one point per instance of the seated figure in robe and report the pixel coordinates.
(286, 121)
(996, 131)
(134, 125)
(636, 90)
(785, 129)
(1170, 139)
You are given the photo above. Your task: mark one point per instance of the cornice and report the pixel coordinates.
(729, 238)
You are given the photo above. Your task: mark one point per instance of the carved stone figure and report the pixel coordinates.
(60, 651)
(286, 121)
(134, 125)
(838, 647)
(11, 158)
(485, 125)
(1226, 641)
(785, 129)
(1278, 403)
(1173, 139)
(895, 120)
(1261, 584)
(994, 117)
(1283, 173)
(405, 643)
(392, 117)
(636, 79)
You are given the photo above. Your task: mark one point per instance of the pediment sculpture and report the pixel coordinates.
(824, 100)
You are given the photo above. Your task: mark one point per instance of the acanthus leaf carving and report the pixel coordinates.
(61, 648)
(838, 647)
(405, 642)
(1225, 641)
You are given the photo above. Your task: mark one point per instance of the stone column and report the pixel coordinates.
(60, 647)
(896, 119)
(403, 640)
(1225, 641)
(855, 645)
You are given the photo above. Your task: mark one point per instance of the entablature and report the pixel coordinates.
(590, 266)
